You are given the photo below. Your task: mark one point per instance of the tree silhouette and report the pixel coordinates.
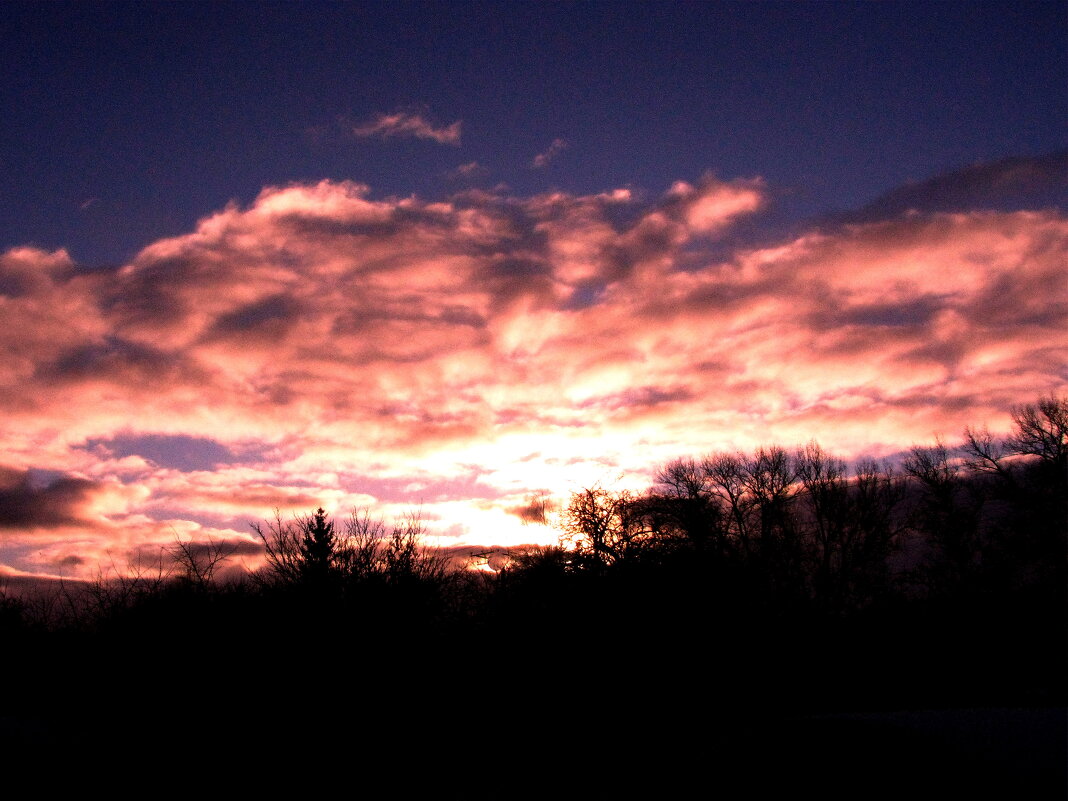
(1042, 430)
(318, 546)
(682, 504)
(199, 562)
(604, 527)
(726, 477)
(302, 551)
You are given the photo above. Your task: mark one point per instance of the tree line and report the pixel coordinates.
(778, 578)
(668, 631)
(802, 526)
(813, 529)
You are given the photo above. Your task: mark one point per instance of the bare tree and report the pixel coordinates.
(873, 531)
(282, 550)
(359, 548)
(984, 453)
(727, 481)
(115, 590)
(944, 514)
(199, 562)
(1042, 430)
(683, 501)
(604, 526)
(826, 490)
(12, 609)
(934, 468)
(769, 476)
(311, 550)
(406, 558)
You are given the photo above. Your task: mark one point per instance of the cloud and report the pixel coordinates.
(181, 452)
(1008, 184)
(321, 346)
(25, 271)
(404, 124)
(26, 504)
(537, 509)
(470, 171)
(555, 148)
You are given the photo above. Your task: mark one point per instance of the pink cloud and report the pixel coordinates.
(556, 147)
(348, 341)
(713, 205)
(469, 171)
(403, 124)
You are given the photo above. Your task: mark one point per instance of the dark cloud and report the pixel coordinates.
(639, 398)
(25, 504)
(304, 224)
(1006, 302)
(251, 496)
(16, 283)
(535, 511)
(118, 360)
(231, 547)
(27, 271)
(267, 319)
(1006, 185)
(916, 311)
(35, 588)
(151, 293)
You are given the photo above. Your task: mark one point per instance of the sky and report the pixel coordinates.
(448, 257)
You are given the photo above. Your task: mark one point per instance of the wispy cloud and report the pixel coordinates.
(470, 351)
(470, 171)
(404, 124)
(557, 147)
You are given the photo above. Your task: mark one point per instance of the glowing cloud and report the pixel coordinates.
(402, 124)
(324, 347)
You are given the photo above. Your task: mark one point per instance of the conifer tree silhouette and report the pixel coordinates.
(318, 546)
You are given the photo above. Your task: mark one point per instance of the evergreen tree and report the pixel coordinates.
(318, 546)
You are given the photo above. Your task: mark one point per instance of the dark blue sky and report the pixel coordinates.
(127, 122)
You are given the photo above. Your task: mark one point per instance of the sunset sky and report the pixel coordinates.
(446, 256)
